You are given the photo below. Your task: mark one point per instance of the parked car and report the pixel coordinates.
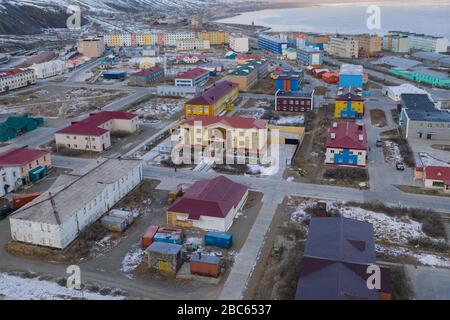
(5, 211)
(400, 166)
(379, 143)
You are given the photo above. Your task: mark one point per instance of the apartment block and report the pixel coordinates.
(343, 47)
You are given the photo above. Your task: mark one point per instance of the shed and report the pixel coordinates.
(205, 265)
(166, 257)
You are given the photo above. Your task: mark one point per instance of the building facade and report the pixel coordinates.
(238, 43)
(343, 47)
(192, 78)
(16, 78)
(396, 43)
(214, 100)
(214, 37)
(349, 105)
(49, 69)
(351, 75)
(91, 47)
(244, 75)
(369, 45)
(346, 144)
(310, 56)
(59, 215)
(273, 44)
(193, 44)
(424, 42)
(146, 77)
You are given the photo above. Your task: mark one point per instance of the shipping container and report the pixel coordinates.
(219, 239)
(167, 238)
(169, 230)
(166, 257)
(330, 77)
(147, 238)
(114, 223)
(127, 215)
(19, 200)
(205, 265)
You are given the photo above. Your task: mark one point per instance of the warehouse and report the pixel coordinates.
(57, 216)
(208, 204)
(215, 99)
(192, 78)
(395, 92)
(49, 69)
(346, 144)
(146, 77)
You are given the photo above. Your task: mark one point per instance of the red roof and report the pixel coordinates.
(21, 156)
(234, 122)
(213, 93)
(192, 74)
(13, 71)
(213, 198)
(346, 136)
(90, 125)
(249, 56)
(438, 173)
(146, 71)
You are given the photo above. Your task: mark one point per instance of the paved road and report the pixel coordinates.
(429, 283)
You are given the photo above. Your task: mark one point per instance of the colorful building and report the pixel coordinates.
(310, 56)
(192, 44)
(423, 75)
(208, 205)
(214, 37)
(289, 81)
(238, 43)
(420, 41)
(215, 99)
(396, 43)
(146, 77)
(294, 101)
(349, 105)
(369, 45)
(91, 47)
(244, 75)
(15, 126)
(351, 75)
(272, 43)
(192, 78)
(346, 144)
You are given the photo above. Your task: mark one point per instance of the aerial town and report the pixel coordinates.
(210, 161)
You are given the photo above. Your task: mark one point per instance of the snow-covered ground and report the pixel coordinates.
(17, 288)
(428, 161)
(132, 259)
(290, 121)
(389, 230)
(393, 152)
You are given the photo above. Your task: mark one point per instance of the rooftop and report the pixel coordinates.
(74, 194)
(21, 156)
(146, 71)
(399, 62)
(213, 93)
(13, 71)
(233, 122)
(164, 248)
(213, 198)
(192, 74)
(351, 69)
(346, 134)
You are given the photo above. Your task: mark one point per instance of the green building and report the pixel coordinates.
(15, 126)
(424, 75)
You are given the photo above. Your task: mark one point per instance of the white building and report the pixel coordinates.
(424, 42)
(56, 217)
(238, 43)
(49, 69)
(343, 47)
(394, 92)
(10, 179)
(16, 78)
(171, 38)
(194, 44)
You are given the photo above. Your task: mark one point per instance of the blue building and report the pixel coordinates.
(351, 75)
(310, 56)
(272, 44)
(289, 81)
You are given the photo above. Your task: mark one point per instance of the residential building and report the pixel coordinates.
(424, 42)
(146, 77)
(208, 205)
(336, 260)
(91, 47)
(197, 22)
(49, 69)
(214, 37)
(294, 101)
(396, 43)
(349, 104)
(239, 43)
(192, 44)
(346, 144)
(351, 75)
(93, 133)
(244, 75)
(192, 78)
(343, 47)
(247, 57)
(316, 40)
(16, 78)
(369, 45)
(262, 65)
(15, 126)
(10, 179)
(289, 81)
(420, 119)
(273, 44)
(437, 177)
(310, 56)
(231, 134)
(27, 160)
(59, 215)
(41, 57)
(395, 92)
(172, 38)
(215, 99)
(190, 58)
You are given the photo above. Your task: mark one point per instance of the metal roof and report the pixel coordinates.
(398, 62)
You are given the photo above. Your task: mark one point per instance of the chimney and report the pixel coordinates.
(360, 137)
(333, 136)
(335, 124)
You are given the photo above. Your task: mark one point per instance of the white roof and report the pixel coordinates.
(406, 88)
(351, 69)
(72, 194)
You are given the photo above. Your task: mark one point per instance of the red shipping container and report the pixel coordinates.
(147, 238)
(176, 231)
(19, 200)
(205, 265)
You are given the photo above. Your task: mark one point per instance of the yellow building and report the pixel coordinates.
(145, 39)
(214, 37)
(349, 105)
(220, 96)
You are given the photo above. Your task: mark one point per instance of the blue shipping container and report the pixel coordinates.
(219, 239)
(167, 238)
